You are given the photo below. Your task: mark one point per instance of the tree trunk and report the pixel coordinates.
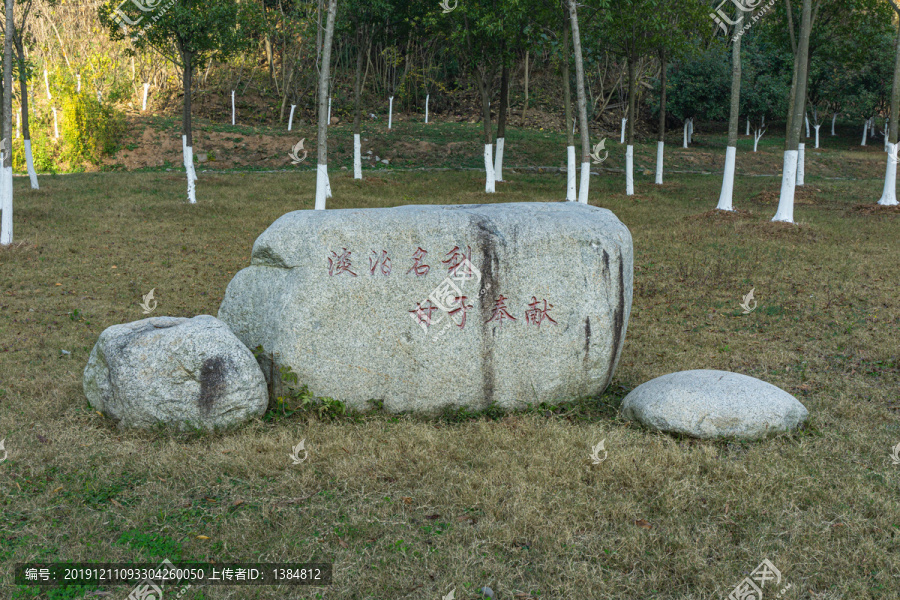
(785, 210)
(571, 169)
(484, 89)
(501, 123)
(357, 109)
(725, 197)
(582, 107)
(661, 138)
(6, 190)
(525, 107)
(322, 184)
(629, 139)
(187, 140)
(26, 127)
(889, 195)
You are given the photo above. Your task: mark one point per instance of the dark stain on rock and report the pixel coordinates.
(606, 263)
(486, 237)
(587, 340)
(212, 382)
(618, 321)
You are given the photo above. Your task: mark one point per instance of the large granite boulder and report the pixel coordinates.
(426, 307)
(174, 370)
(713, 404)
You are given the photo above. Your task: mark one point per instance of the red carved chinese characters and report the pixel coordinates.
(461, 305)
(500, 311)
(383, 259)
(457, 257)
(340, 264)
(422, 314)
(418, 268)
(535, 315)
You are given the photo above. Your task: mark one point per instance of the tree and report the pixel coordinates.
(889, 195)
(189, 33)
(6, 179)
(725, 196)
(582, 107)
(24, 70)
(785, 210)
(324, 86)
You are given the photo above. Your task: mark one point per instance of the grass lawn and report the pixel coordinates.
(407, 507)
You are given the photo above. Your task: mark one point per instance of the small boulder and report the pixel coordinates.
(179, 371)
(202, 157)
(714, 404)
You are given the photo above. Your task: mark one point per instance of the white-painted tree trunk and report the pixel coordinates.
(748, 125)
(833, 119)
(321, 186)
(144, 103)
(756, 137)
(763, 121)
(6, 204)
(489, 180)
(806, 117)
(816, 127)
(47, 85)
(327, 184)
(872, 126)
(865, 132)
(585, 182)
(55, 124)
(29, 161)
(329, 111)
(390, 111)
(79, 83)
(889, 195)
(727, 194)
(659, 161)
(188, 155)
(785, 210)
(291, 118)
(629, 170)
(427, 96)
(188, 164)
(886, 133)
(622, 137)
(232, 107)
(498, 160)
(801, 162)
(357, 157)
(685, 134)
(99, 97)
(691, 130)
(571, 175)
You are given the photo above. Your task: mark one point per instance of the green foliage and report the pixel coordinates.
(89, 129)
(292, 397)
(701, 88)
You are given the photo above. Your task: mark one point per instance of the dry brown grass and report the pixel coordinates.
(412, 508)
